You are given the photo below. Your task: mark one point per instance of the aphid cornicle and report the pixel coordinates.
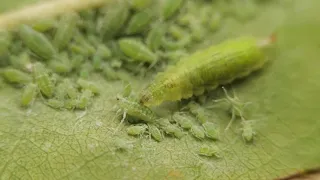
(216, 65)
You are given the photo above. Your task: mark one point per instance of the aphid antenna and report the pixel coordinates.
(124, 115)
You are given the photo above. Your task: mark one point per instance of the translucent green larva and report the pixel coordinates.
(16, 76)
(211, 130)
(136, 50)
(183, 120)
(88, 85)
(247, 131)
(43, 80)
(209, 151)
(113, 20)
(171, 7)
(29, 94)
(219, 64)
(136, 110)
(198, 132)
(55, 103)
(136, 130)
(155, 132)
(139, 22)
(37, 42)
(155, 35)
(65, 30)
(84, 99)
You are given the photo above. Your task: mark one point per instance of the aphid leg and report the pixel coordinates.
(124, 115)
(233, 117)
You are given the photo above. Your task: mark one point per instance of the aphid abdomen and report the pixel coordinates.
(215, 65)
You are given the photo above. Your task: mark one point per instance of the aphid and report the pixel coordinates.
(136, 50)
(88, 85)
(209, 151)
(122, 144)
(43, 80)
(140, 4)
(197, 31)
(219, 64)
(184, 121)
(44, 25)
(16, 76)
(83, 49)
(174, 130)
(136, 110)
(21, 62)
(84, 99)
(155, 132)
(198, 111)
(155, 35)
(177, 44)
(85, 70)
(29, 94)
(198, 132)
(37, 42)
(60, 66)
(247, 131)
(5, 42)
(170, 8)
(127, 90)
(237, 106)
(71, 91)
(174, 56)
(139, 22)
(136, 130)
(55, 103)
(70, 103)
(114, 19)
(103, 52)
(177, 32)
(109, 72)
(116, 63)
(65, 30)
(97, 62)
(211, 130)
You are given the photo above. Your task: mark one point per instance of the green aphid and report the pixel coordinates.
(37, 42)
(65, 30)
(21, 62)
(16, 76)
(176, 44)
(135, 109)
(183, 120)
(210, 151)
(85, 70)
(83, 49)
(29, 94)
(55, 103)
(103, 52)
(60, 91)
(109, 73)
(70, 104)
(139, 22)
(5, 42)
(44, 25)
(136, 130)
(116, 63)
(122, 144)
(155, 35)
(155, 132)
(170, 7)
(173, 130)
(198, 32)
(70, 89)
(198, 111)
(97, 63)
(88, 85)
(140, 4)
(247, 131)
(113, 20)
(211, 130)
(177, 32)
(207, 68)
(215, 21)
(61, 66)
(127, 90)
(198, 132)
(174, 56)
(136, 50)
(43, 80)
(84, 99)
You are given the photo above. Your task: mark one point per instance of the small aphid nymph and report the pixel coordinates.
(136, 130)
(29, 94)
(247, 131)
(198, 132)
(209, 151)
(211, 130)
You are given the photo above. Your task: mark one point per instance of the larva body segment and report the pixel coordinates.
(216, 65)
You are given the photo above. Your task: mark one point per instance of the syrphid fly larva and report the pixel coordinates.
(216, 65)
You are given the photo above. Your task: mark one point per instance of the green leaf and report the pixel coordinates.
(42, 143)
